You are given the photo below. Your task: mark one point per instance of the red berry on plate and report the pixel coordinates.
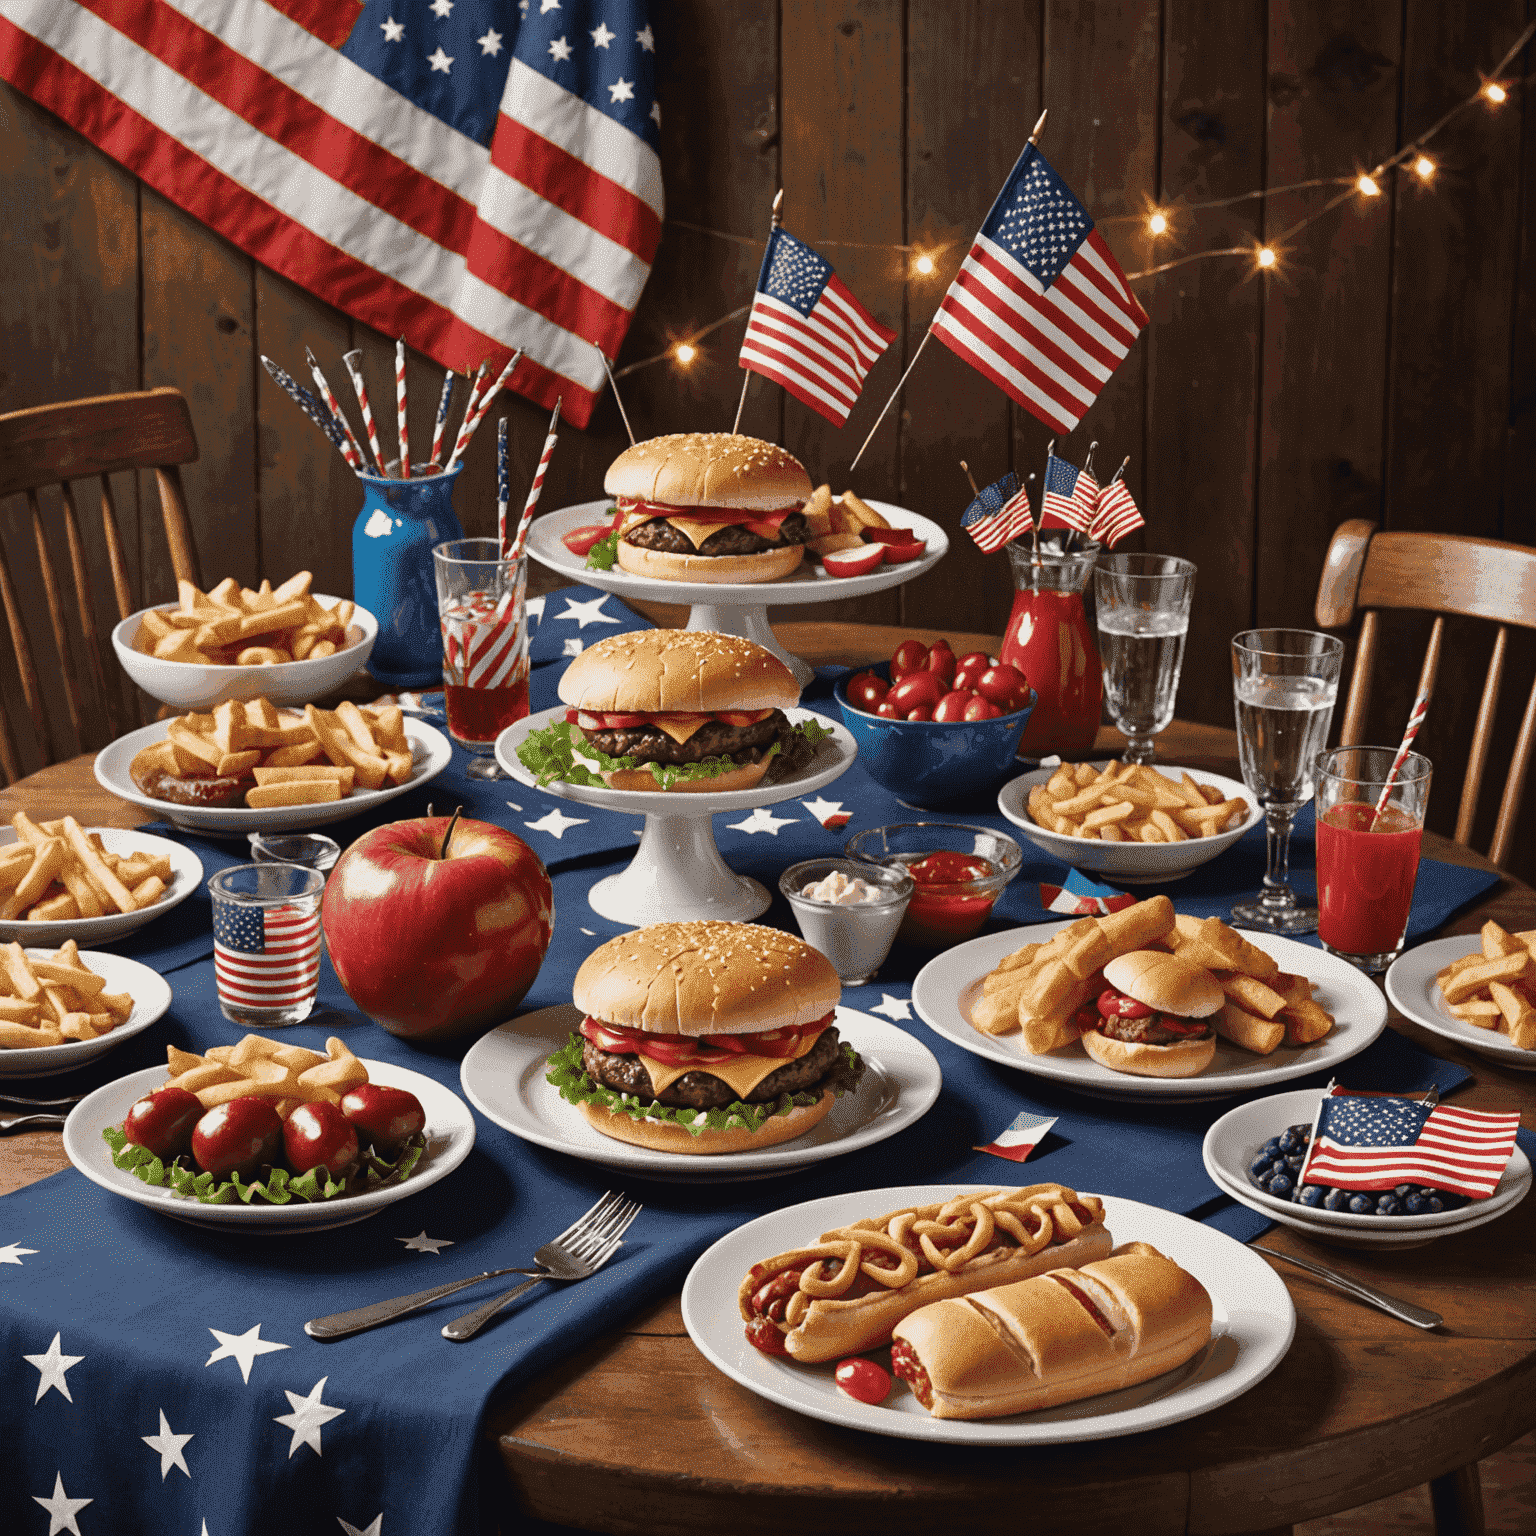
(237, 1137)
(580, 540)
(386, 1117)
(162, 1121)
(863, 1380)
(320, 1136)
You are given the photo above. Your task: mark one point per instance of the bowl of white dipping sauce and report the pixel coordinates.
(848, 910)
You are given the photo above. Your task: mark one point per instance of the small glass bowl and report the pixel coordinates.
(939, 915)
(855, 937)
(311, 849)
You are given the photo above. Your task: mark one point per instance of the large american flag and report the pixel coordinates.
(1070, 496)
(998, 514)
(475, 175)
(1040, 306)
(266, 957)
(808, 332)
(1362, 1142)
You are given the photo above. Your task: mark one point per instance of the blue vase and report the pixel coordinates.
(392, 574)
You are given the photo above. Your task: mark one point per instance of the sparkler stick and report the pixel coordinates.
(352, 452)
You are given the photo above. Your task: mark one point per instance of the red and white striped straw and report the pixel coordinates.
(476, 384)
(402, 427)
(1415, 720)
(538, 483)
(350, 451)
(472, 419)
(354, 362)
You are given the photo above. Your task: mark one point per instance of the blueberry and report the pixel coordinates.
(1281, 1184)
(1415, 1205)
(1294, 1140)
(1259, 1167)
(1361, 1204)
(1336, 1200)
(1389, 1205)
(1402, 1191)
(1293, 1161)
(1434, 1203)
(1309, 1194)
(1271, 1148)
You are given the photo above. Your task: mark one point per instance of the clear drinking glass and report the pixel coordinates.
(266, 942)
(314, 850)
(482, 608)
(1284, 684)
(1143, 614)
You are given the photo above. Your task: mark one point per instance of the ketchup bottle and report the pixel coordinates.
(1050, 640)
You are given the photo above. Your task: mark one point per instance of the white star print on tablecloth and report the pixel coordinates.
(621, 90)
(12, 1252)
(534, 608)
(647, 39)
(421, 1243)
(601, 36)
(51, 1368)
(441, 8)
(393, 30)
(560, 51)
(490, 44)
(589, 612)
(375, 1527)
(309, 1416)
(168, 1445)
(61, 1508)
(556, 823)
(440, 60)
(893, 1007)
(829, 813)
(241, 1348)
(762, 820)
(572, 646)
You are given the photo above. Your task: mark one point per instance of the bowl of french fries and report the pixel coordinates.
(284, 643)
(59, 880)
(1137, 824)
(60, 1008)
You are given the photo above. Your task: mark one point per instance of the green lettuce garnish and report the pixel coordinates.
(603, 554)
(279, 1188)
(568, 1075)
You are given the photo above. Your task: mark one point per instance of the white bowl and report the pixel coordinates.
(1128, 863)
(190, 685)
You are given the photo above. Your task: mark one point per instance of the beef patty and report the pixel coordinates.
(1150, 1030)
(701, 1089)
(660, 535)
(713, 739)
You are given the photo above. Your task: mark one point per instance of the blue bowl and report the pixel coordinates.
(930, 762)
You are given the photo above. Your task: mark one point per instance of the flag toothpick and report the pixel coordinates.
(618, 399)
(444, 400)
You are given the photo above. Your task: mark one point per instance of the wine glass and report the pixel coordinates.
(1284, 683)
(1143, 612)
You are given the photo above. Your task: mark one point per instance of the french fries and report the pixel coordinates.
(58, 872)
(269, 758)
(837, 523)
(1038, 990)
(234, 626)
(256, 1067)
(1494, 987)
(1131, 803)
(47, 1002)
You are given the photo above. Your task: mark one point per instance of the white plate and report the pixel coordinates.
(947, 986)
(1251, 1329)
(807, 584)
(186, 876)
(1128, 863)
(450, 1135)
(430, 754)
(151, 997)
(1411, 987)
(503, 1077)
(1234, 1141)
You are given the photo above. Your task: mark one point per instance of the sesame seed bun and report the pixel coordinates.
(710, 469)
(656, 670)
(663, 565)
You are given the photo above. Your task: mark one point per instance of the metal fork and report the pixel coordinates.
(338, 1325)
(1406, 1311)
(562, 1261)
(28, 1122)
(25, 1103)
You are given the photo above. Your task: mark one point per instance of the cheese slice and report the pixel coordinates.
(697, 530)
(680, 726)
(742, 1073)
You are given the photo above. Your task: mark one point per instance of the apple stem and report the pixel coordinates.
(453, 821)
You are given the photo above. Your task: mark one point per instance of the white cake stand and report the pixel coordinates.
(677, 874)
(734, 608)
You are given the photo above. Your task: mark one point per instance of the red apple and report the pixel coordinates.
(319, 1135)
(386, 1117)
(237, 1137)
(853, 562)
(163, 1121)
(437, 943)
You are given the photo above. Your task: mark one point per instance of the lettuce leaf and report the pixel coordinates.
(568, 1075)
(603, 554)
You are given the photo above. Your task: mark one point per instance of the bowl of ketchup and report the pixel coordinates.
(958, 872)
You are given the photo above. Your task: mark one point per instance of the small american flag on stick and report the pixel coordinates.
(1070, 496)
(808, 332)
(998, 514)
(1116, 515)
(266, 957)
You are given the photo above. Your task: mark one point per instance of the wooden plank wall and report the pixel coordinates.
(1386, 370)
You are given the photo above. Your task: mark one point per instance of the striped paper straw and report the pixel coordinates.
(444, 400)
(354, 362)
(476, 385)
(538, 483)
(1415, 720)
(503, 491)
(472, 419)
(402, 428)
(352, 452)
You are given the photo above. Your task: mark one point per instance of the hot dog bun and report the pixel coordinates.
(1060, 1336)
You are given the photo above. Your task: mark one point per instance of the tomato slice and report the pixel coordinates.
(701, 1050)
(580, 540)
(740, 717)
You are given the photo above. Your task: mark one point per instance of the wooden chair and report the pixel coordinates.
(53, 445)
(1441, 573)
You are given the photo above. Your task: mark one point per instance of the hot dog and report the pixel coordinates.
(1060, 1336)
(847, 1292)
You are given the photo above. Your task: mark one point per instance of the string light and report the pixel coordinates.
(1424, 167)
(1495, 93)
(923, 265)
(1158, 223)
(1266, 256)
(1366, 186)
(685, 353)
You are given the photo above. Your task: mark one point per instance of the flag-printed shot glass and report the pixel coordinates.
(266, 942)
(481, 605)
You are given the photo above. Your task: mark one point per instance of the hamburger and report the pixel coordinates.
(1155, 1016)
(703, 1038)
(674, 709)
(706, 506)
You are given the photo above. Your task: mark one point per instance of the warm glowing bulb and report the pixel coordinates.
(1495, 92)
(1158, 223)
(1425, 167)
(923, 265)
(685, 354)
(1367, 187)
(1266, 257)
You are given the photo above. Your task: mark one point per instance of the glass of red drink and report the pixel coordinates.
(482, 610)
(1370, 822)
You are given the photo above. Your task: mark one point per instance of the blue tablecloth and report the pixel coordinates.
(161, 1371)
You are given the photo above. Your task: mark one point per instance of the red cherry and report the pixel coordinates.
(863, 1380)
(915, 689)
(889, 711)
(320, 1136)
(910, 655)
(237, 1137)
(941, 660)
(922, 712)
(1005, 685)
(162, 1121)
(981, 709)
(387, 1117)
(971, 666)
(866, 690)
(952, 706)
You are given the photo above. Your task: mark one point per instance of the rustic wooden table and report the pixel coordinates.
(636, 1434)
